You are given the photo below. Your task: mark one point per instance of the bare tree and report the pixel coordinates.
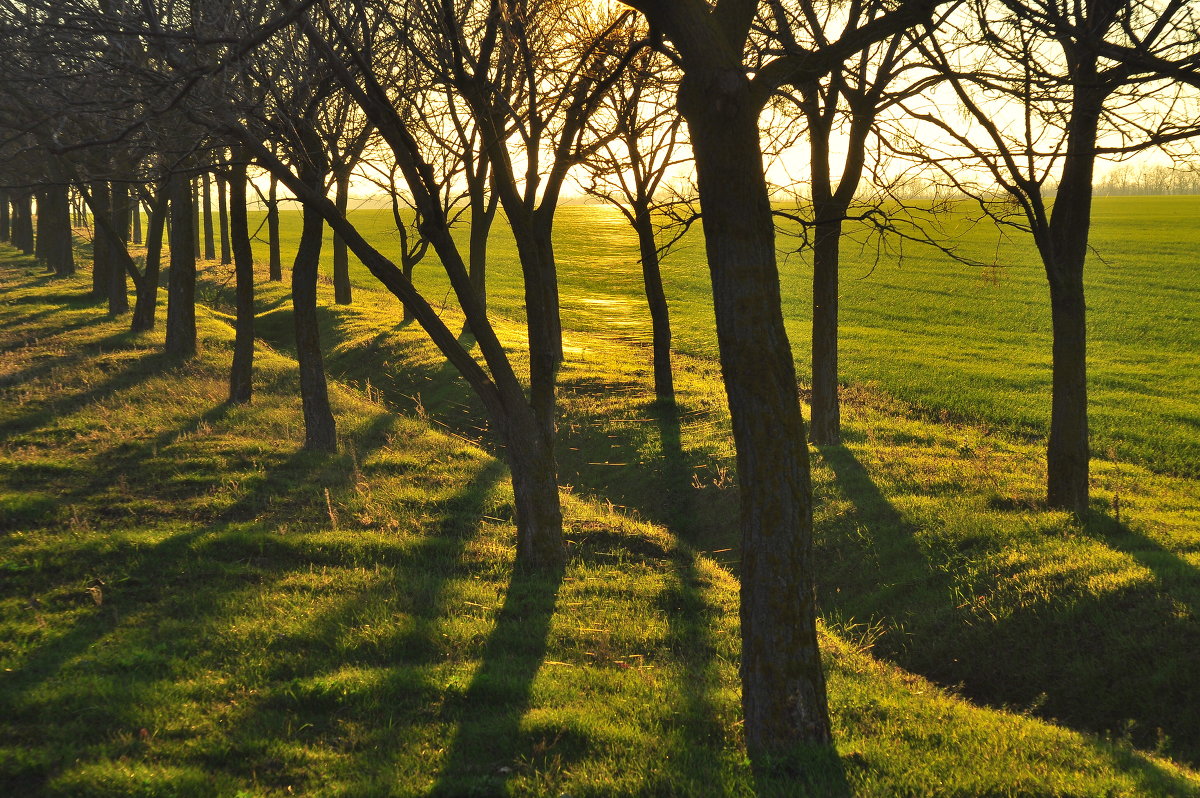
(843, 104)
(641, 143)
(1053, 88)
(721, 96)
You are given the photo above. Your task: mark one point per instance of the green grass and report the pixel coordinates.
(193, 606)
(986, 333)
(932, 541)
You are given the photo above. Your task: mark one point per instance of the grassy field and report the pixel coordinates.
(953, 342)
(193, 607)
(933, 545)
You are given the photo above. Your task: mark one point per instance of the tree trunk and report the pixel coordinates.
(530, 456)
(656, 298)
(60, 255)
(275, 262)
(1064, 255)
(39, 248)
(181, 282)
(319, 429)
(241, 374)
(210, 246)
(118, 285)
(25, 241)
(102, 260)
(223, 219)
(146, 301)
(197, 222)
(826, 409)
(481, 227)
(1068, 450)
(783, 686)
(136, 211)
(5, 218)
(341, 260)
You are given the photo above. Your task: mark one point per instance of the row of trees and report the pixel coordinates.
(460, 109)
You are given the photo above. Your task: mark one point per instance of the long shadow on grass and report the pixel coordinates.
(412, 597)
(890, 559)
(1118, 662)
(131, 373)
(183, 582)
(487, 745)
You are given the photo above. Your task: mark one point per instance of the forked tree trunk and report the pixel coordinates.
(783, 686)
(242, 372)
(118, 285)
(146, 301)
(319, 430)
(275, 259)
(656, 298)
(181, 282)
(1064, 253)
(342, 293)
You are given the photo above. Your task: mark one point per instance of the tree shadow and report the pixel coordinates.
(1084, 659)
(132, 372)
(487, 746)
(886, 559)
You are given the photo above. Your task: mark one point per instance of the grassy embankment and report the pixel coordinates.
(191, 606)
(933, 544)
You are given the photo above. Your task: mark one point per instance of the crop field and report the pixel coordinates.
(952, 340)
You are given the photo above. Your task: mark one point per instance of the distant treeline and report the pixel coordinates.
(1126, 181)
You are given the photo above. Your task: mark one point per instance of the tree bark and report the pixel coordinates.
(481, 228)
(223, 219)
(656, 298)
(146, 301)
(341, 261)
(181, 282)
(530, 457)
(25, 240)
(60, 255)
(197, 222)
(319, 430)
(5, 218)
(783, 686)
(241, 374)
(1064, 253)
(39, 249)
(102, 260)
(275, 260)
(826, 408)
(210, 246)
(118, 285)
(136, 211)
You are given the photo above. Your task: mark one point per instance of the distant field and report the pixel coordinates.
(947, 338)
